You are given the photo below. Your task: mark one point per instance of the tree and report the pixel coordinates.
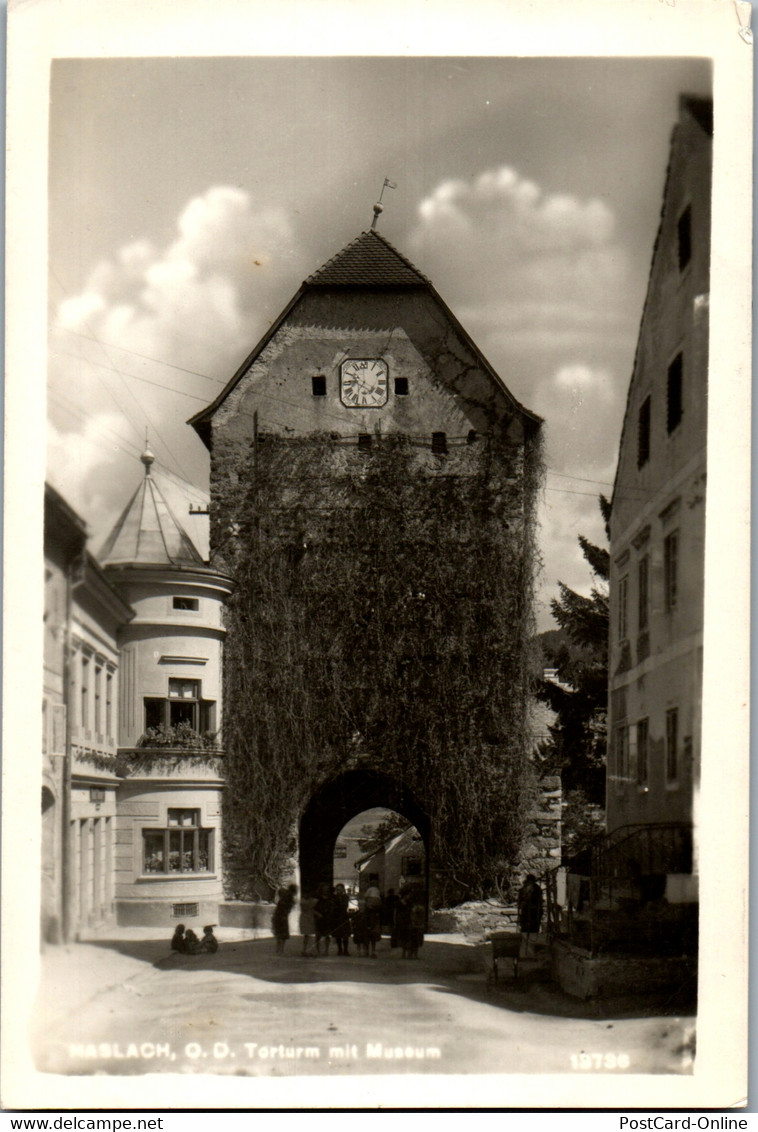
(374, 836)
(580, 697)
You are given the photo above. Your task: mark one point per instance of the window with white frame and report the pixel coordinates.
(184, 846)
(109, 703)
(98, 699)
(86, 668)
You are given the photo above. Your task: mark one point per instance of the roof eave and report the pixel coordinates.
(201, 421)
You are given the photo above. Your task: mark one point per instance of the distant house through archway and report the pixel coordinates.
(339, 800)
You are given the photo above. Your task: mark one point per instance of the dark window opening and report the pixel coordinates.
(672, 739)
(189, 603)
(643, 433)
(643, 580)
(401, 386)
(412, 867)
(439, 443)
(364, 440)
(684, 233)
(184, 911)
(642, 747)
(318, 384)
(674, 393)
(183, 705)
(472, 436)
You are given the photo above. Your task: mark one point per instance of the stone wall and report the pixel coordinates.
(541, 849)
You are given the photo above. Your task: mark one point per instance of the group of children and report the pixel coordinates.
(185, 940)
(326, 916)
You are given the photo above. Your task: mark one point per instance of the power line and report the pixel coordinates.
(129, 391)
(133, 376)
(135, 453)
(294, 404)
(145, 357)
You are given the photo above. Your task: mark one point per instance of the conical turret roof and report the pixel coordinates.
(147, 533)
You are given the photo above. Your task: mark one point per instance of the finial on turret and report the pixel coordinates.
(147, 456)
(378, 209)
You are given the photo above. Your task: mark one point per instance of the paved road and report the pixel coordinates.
(129, 1007)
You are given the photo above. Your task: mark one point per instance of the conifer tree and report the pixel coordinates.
(579, 732)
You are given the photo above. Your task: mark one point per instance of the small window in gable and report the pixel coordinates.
(439, 443)
(318, 385)
(401, 386)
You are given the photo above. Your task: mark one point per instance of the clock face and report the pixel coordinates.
(363, 383)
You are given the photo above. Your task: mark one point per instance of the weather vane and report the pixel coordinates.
(378, 210)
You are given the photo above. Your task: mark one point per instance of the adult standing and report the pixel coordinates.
(280, 921)
(529, 908)
(341, 919)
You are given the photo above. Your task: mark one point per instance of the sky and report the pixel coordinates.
(190, 197)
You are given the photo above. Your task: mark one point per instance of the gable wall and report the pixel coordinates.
(407, 329)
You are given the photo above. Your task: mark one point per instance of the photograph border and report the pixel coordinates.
(40, 32)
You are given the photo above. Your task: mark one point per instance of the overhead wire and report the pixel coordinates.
(628, 488)
(157, 432)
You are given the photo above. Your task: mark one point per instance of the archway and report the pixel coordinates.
(339, 800)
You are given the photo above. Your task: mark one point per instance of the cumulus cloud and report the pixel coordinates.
(518, 261)
(198, 304)
(540, 281)
(198, 300)
(517, 214)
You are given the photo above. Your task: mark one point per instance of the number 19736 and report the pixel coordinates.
(590, 1061)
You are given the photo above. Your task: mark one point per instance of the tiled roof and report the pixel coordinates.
(368, 261)
(147, 532)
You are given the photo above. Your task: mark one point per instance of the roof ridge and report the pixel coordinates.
(368, 260)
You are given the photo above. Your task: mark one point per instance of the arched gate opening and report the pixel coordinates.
(339, 800)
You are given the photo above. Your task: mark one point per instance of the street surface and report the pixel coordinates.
(131, 1006)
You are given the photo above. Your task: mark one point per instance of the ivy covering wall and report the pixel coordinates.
(383, 608)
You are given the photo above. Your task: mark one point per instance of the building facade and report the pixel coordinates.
(658, 516)
(83, 615)
(132, 747)
(168, 858)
